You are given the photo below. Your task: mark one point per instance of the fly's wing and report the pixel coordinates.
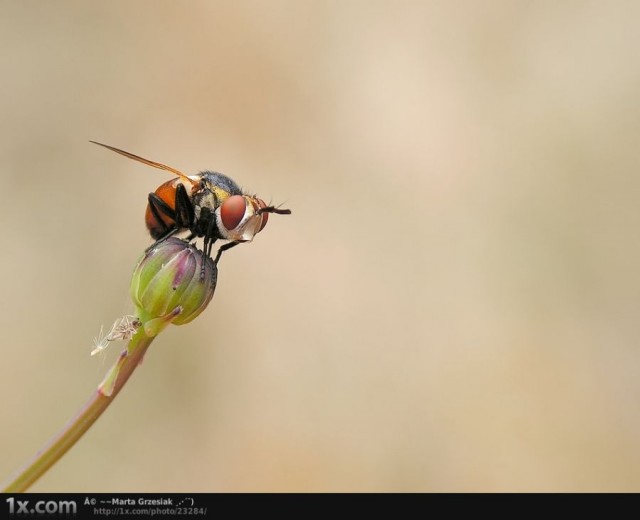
(160, 166)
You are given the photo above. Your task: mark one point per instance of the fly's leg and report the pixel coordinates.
(222, 249)
(182, 216)
(184, 212)
(160, 208)
(169, 233)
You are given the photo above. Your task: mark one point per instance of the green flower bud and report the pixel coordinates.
(172, 285)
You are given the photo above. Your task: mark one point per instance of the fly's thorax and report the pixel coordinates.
(212, 190)
(204, 198)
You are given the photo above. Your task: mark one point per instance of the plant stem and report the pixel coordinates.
(88, 414)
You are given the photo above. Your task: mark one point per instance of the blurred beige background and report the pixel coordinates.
(452, 306)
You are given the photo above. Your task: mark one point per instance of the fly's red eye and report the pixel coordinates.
(265, 215)
(232, 211)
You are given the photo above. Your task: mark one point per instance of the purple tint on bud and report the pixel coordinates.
(181, 271)
(171, 275)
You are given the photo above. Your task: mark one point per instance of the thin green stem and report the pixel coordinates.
(88, 414)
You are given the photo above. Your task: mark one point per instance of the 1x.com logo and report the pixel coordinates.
(52, 507)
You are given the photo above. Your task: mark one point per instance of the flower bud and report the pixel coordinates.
(172, 283)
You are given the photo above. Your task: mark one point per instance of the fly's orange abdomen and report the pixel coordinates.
(158, 222)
